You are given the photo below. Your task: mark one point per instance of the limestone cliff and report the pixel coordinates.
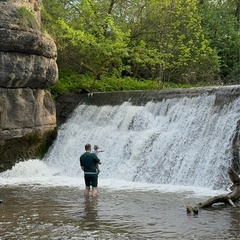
(27, 68)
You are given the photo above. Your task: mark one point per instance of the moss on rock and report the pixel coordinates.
(33, 145)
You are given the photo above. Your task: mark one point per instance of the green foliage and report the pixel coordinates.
(23, 12)
(222, 27)
(90, 40)
(26, 18)
(127, 83)
(72, 82)
(177, 34)
(106, 43)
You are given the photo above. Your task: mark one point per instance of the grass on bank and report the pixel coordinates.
(73, 82)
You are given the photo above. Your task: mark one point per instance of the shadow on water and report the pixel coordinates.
(36, 212)
(89, 214)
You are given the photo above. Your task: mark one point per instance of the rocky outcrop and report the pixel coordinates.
(23, 110)
(27, 69)
(28, 57)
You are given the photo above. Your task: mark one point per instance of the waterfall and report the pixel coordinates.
(180, 141)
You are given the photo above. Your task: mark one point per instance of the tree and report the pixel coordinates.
(143, 39)
(229, 198)
(220, 21)
(174, 28)
(90, 40)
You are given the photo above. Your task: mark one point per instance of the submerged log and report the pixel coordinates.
(229, 198)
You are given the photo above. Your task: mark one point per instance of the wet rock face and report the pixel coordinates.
(10, 7)
(19, 70)
(27, 68)
(27, 56)
(24, 109)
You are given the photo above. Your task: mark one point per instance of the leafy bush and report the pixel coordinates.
(74, 82)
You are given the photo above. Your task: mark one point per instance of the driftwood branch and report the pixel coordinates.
(229, 198)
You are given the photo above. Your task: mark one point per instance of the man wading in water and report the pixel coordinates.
(89, 164)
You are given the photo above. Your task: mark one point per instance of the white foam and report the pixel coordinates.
(36, 172)
(177, 142)
(31, 168)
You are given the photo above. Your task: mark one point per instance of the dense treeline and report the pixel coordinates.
(178, 41)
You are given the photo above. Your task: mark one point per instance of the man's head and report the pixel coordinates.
(96, 147)
(88, 147)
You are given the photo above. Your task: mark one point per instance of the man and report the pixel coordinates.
(89, 164)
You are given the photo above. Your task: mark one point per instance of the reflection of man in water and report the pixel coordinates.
(89, 163)
(91, 212)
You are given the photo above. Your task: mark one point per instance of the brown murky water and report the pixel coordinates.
(38, 212)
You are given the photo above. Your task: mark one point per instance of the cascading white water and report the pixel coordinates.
(181, 141)
(170, 150)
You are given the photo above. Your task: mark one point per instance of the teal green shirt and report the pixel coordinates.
(89, 162)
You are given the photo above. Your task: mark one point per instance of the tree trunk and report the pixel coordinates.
(237, 12)
(224, 198)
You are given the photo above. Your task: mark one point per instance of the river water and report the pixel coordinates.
(62, 212)
(158, 158)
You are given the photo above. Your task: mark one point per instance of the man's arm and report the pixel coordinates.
(96, 159)
(81, 164)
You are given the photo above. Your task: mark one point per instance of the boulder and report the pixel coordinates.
(18, 70)
(27, 55)
(24, 110)
(27, 69)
